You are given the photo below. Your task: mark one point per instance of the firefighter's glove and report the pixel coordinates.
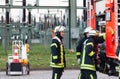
(79, 60)
(104, 35)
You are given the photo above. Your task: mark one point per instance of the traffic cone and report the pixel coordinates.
(16, 55)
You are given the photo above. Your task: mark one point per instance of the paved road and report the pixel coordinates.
(46, 74)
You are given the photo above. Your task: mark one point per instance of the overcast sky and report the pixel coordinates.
(43, 2)
(17, 12)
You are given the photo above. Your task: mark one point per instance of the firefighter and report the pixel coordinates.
(79, 46)
(58, 62)
(87, 64)
(88, 55)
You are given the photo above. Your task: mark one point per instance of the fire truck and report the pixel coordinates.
(109, 56)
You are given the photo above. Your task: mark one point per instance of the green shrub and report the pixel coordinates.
(39, 57)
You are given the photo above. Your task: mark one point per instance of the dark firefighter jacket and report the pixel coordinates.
(79, 47)
(86, 52)
(57, 53)
(88, 55)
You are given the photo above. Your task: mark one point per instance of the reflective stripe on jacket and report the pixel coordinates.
(88, 55)
(79, 47)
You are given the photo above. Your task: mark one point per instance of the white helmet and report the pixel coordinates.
(92, 33)
(87, 29)
(59, 29)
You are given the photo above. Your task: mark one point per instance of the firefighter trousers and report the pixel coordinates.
(57, 73)
(87, 74)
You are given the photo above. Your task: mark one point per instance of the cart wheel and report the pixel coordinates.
(7, 68)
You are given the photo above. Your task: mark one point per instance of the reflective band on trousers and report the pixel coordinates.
(89, 67)
(91, 76)
(61, 65)
(55, 77)
(79, 76)
(77, 53)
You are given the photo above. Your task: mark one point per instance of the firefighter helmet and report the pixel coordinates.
(59, 29)
(92, 33)
(87, 29)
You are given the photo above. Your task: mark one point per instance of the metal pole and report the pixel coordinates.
(69, 25)
(84, 11)
(72, 21)
(61, 18)
(7, 12)
(2, 20)
(29, 17)
(24, 20)
(24, 11)
(29, 30)
(6, 35)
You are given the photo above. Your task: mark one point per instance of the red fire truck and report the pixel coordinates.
(111, 65)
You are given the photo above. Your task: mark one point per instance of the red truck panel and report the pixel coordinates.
(111, 28)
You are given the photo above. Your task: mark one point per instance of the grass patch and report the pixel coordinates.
(39, 57)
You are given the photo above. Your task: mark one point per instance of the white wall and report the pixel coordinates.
(100, 6)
